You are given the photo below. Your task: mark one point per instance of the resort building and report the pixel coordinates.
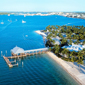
(74, 47)
(57, 41)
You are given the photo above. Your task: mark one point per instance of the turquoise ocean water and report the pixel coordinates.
(37, 69)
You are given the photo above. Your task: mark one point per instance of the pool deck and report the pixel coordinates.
(75, 73)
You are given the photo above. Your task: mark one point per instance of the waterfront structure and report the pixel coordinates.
(17, 50)
(20, 52)
(9, 63)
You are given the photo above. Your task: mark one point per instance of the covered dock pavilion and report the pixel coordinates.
(20, 52)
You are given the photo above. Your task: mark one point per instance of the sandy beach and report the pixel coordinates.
(40, 33)
(74, 72)
(78, 76)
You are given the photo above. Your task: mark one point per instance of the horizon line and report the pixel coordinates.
(42, 11)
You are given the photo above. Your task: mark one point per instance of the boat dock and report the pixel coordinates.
(9, 62)
(24, 53)
(28, 53)
(18, 52)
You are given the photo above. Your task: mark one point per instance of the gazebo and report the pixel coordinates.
(17, 51)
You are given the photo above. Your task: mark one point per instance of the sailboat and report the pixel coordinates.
(23, 21)
(2, 22)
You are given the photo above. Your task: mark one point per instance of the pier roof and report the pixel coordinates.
(17, 50)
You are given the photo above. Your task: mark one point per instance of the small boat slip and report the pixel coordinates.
(9, 63)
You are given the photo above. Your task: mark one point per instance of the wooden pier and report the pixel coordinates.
(9, 62)
(19, 53)
(28, 53)
(24, 55)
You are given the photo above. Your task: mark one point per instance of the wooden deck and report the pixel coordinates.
(24, 54)
(27, 54)
(8, 62)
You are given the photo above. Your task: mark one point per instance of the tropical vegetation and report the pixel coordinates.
(73, 34)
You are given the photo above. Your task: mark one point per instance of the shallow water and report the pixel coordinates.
(36, 70)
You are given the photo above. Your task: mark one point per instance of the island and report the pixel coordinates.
(66, 45)
(80, 15)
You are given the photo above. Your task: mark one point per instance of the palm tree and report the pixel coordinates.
(65, 51)
(64, 41)
(53, 41)
(48, 27)
(68, 36)
(70, 42)
(83, 51)
(57, 48)
(81, 36)
(56, 32)
(60, 35)
(48, 37)
(72, 57)
(83, 42)
(54, 35)
(80, 59)
(50, 49)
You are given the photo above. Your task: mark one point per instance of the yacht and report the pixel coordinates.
(2, 22)
(23, 21)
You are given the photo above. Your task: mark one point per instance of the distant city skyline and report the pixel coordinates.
(42, 5)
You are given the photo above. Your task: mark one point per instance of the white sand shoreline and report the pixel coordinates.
(79, 77)
(40, 33)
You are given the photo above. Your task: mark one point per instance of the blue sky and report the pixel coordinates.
(42, 5)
